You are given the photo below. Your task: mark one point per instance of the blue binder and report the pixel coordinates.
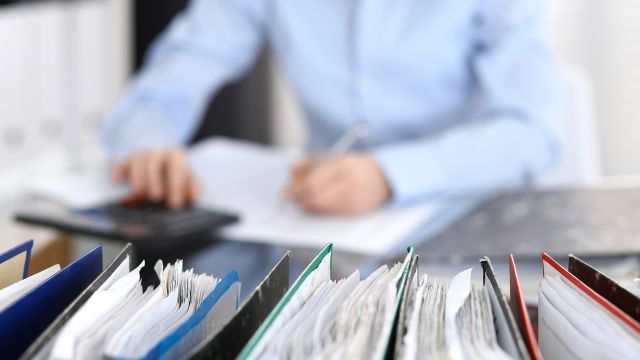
(195, 320)
(22, 271)
(23, 321)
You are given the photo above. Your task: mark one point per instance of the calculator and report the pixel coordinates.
(147, 225)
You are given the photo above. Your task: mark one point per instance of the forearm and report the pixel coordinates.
(210, 43)
(476, 157)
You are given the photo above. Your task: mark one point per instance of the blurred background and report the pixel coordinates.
(64, 63)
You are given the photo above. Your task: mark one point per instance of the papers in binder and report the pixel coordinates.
(348, 318)
(30, 305)
(248, 179)
(15, 291)
(353, 318)
(577, 322)
(123, 320)
(454, 321)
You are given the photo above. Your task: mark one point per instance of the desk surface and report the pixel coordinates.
(589, 223)
(603, 221)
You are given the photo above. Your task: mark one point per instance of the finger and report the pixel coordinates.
(300, 169)
(138, 174)
(155, 175)
(305, 165)
(332, 201)
(319, 178)
(178, 177)
(194, 189)
(288, 191)
(119, 171)
(298, 172)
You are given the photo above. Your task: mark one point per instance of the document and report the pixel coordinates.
(13, 292)
(123, 320)
(79, 190)
(576, 322)
(248, 179)
(454, 321)
(31, 305)
(322, 318)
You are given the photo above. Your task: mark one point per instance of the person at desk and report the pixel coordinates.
(458, 96)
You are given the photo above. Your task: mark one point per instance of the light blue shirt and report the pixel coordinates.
(459, 94)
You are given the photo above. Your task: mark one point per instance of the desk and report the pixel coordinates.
(600, 225)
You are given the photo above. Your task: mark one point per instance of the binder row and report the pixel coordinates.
(401, 312)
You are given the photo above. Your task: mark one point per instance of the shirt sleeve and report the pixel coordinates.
(511, 136)
(208, 44)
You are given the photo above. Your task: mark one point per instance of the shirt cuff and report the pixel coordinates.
(412, 174)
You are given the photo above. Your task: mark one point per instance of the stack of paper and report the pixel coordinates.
(578, 321)
(319, 317)
(248, 179)
(440, 328)
(187, 315)
(122, 320)
(357, 319)
(454, 321)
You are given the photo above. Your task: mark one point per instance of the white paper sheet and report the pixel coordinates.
(459, 290)
(316, 278)
(249, 179)
(572, 325)
(15, 291)
(79, 190)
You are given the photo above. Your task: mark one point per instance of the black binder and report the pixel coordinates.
(509, 337)
(228, 343)
(606, 287)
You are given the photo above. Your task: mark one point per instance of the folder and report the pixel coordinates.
(457, 320)
(42, 345)
(14, 264)
(228, 343)
(576, 321)
(605, 287)
(520, 313)
(23, 321)
(319, 263)
(193, 331)
(509, 336)
(218, 305)
(249, 347)
(407, 299)
(408, 278)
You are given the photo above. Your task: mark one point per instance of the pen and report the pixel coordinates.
(350, 137)
(358, 132)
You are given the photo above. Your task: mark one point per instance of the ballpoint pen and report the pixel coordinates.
(346, 142)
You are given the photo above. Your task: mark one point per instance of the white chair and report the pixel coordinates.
(580, 162)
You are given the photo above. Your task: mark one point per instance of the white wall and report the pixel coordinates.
(603, 37)
(62, 64)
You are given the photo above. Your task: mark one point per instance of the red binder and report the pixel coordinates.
(549, 264)
(519, 309)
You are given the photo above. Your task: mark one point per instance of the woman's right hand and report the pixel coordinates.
(159, 174)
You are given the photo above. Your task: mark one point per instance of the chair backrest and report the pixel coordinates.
(580, 162)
